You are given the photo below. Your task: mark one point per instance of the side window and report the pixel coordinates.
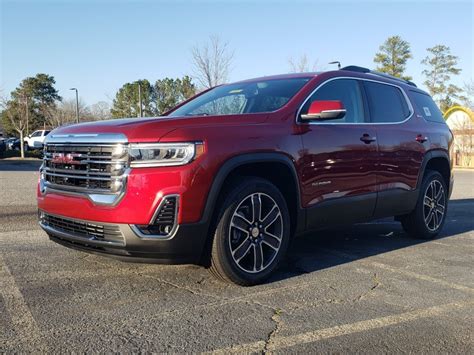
(345, 90)
(36, 134)
(386, 103)
(427, 107)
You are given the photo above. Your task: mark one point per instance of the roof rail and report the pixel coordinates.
(357, 69)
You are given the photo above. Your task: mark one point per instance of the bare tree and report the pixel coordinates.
(212, 62)
(17, 112)
(100, 111)
(302, 64)
(64, 113)
(469, 98)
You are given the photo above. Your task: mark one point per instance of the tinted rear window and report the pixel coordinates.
(427, 107)
(386, 103)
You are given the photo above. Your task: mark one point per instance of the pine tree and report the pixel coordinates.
(392, 57)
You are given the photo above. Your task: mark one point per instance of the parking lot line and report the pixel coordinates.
(21, 318)
(283, 342)
(423, 277)
(401, 271)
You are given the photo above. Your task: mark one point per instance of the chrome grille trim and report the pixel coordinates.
(76, 176)
(67, 171)
(87, 138)
(79, 164)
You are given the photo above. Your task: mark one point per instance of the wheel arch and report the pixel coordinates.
(262, 165)
(437, 160)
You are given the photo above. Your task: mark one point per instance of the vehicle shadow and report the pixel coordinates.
(20, 165)
(328, 248)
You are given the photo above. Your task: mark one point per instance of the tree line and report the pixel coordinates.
(36, 103)
(440, 66)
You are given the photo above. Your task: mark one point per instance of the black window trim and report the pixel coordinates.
(364, 98)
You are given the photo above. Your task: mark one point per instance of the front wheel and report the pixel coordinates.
(252, 234)
(429, 215)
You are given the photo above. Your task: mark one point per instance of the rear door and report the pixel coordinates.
(339, 158)
(402, 145)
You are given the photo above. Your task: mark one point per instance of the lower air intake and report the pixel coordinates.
(165, 220)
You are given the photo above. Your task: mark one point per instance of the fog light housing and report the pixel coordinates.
(164, 222)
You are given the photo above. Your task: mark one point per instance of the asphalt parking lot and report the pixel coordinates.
(368, 288)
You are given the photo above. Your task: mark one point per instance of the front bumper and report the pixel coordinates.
(184, 246)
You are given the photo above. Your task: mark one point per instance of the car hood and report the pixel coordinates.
(153, 128)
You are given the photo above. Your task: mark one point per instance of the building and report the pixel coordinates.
(461, 122)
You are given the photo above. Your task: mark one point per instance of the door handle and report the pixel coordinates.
(421, 138)
(367, 139)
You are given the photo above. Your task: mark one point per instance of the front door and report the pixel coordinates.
(339, 159)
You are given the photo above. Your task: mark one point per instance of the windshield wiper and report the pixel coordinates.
(198, 114)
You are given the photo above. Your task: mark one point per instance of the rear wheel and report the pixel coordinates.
(429, 215)
(252, 234)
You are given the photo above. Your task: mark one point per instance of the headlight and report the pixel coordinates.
(161, 154)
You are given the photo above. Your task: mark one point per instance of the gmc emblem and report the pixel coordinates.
(61, 158)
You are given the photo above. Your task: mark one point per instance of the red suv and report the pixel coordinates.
(229, 177)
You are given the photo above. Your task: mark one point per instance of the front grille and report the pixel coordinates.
(98, 168)
(81, 229)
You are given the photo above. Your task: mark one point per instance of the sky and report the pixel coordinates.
(97, 46)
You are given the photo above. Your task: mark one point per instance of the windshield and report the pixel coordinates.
(240, 98)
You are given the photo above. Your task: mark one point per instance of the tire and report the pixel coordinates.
(252, 233)
(429, 215)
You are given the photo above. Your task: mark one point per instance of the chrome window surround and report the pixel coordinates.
(174, 229)
(107, 198)
(410, 106)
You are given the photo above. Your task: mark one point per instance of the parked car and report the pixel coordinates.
(36, 139)
(3, 147)
(229, 177)
(12, 143)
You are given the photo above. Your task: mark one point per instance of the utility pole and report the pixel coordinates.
(140, 113)
(27, 115)
(77, 104)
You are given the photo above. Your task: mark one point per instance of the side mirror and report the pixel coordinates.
(325, 110)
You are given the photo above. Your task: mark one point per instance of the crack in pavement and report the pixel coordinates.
(316, 335)
(400, 271)
(276, 318)
(165, 282)
(376, 284)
